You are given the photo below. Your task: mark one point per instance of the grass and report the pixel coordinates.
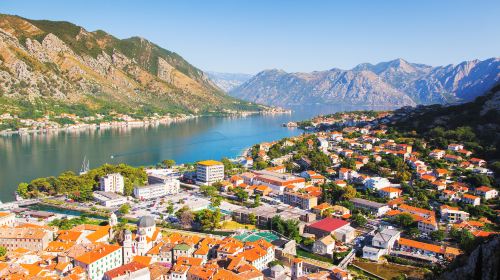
(232, 225)
(305, 254)
(390, 270)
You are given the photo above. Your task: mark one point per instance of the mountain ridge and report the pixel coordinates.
(396, 82)
(57, 62)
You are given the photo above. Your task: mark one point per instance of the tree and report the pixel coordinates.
(168, 163)
(3, 251)
(208, 190)
(261, 165)
(22, 190)
(241, 194)
(256, 201)
(124, 209)
(170, 208)
(349, 192)
(359, 220)
(438, 235)
(185, 216)
(252, 218)
(216, 200)
(404, 219)
(208, 219)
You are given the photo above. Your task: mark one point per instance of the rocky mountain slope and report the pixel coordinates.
(482, 263)
(61, 64)
(396, 82)
(228, 81)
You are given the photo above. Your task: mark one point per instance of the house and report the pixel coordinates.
(377, 183)
(347, 174)
(452, 158)
(373, 207)
(101, 259)
(277, 181)
(7, 219)
(425, 250)
(132, 270)
(382, 244)
(437, 154)
(390, 192)
(453, 215)
(441, 173)
(262, 190)
(340, 229)
(478, 161)
(455, 147)
(428, 225)
(486, 192)
(471, 199)
(324, 245)
(449, 195)
(302, 200)
(320, 209)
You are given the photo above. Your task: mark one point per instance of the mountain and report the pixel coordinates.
(49, 65)
(395, 82)
(476, 123)
(228, 81)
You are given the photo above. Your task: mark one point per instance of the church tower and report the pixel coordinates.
(297, 269)
(128, 250)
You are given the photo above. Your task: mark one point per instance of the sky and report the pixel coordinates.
(243, 36)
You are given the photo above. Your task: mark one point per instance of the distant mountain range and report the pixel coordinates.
(395, 82)
(57, 65)
(228, 81)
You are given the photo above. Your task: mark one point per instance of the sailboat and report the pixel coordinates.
(85, 166)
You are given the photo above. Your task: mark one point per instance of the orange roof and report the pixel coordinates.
(469, 196)
(58, 246)
(420, 245)
(322, 206)
(393, 212)
(210, 162)
(69, 235)
(391, 190)
(33, 269)
(99, 252)
(484, 189)
(144, 260)
(223, 274)
(125, 269)
(189, 261)
(3, 214)
(408, 208)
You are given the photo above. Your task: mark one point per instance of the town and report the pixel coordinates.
(349, 197)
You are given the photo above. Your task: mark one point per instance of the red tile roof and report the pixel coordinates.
(329, 224)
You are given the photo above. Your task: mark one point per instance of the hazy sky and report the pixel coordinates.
(249, 36)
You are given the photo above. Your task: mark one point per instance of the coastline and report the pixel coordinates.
(135, 123)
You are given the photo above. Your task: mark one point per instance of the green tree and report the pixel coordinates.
(252, 218)
(404, 219)
(22, 190)
(261, 165)
(216, 200)
(3, 251)
(170, 208)
(438, 235)
(208, 190)
(124, 209)
(241, 194)
(168, 163)
(359, 220)
(256, 201)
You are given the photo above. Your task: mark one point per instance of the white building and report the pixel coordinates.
(99, 260)
(109, 199)
(324, 246)
(382, 243)
(112, 183)
(377, 183)
(209, 172)
(7, 219)
(146, 237)
(453, 214)
(157, 190)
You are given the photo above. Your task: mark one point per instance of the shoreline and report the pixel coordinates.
(166, 120)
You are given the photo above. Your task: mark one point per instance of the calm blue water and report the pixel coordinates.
(23, 158)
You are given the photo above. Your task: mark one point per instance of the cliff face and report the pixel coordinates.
(396, 82)
(482, 263)
(46, 60)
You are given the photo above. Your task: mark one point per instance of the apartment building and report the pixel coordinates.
(101, 259)
(112, 183)
(34, 239)
(302, 200)
(209, 172)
